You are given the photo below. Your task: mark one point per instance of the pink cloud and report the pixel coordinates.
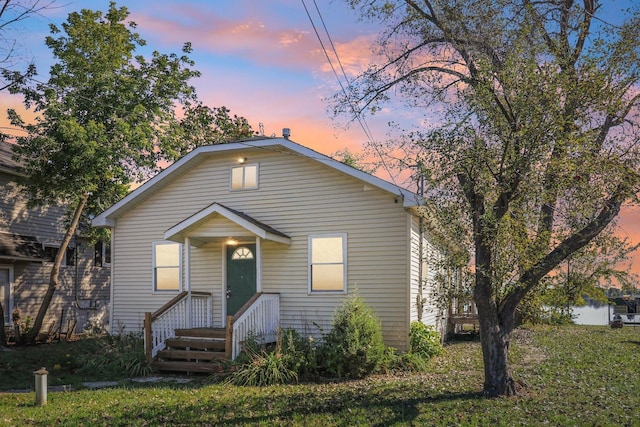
(250, 38)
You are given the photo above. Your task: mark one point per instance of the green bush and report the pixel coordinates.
(424, 340)
(354, 347)
(409, 362)
(118, 354)
(260, 366)
(300, 353)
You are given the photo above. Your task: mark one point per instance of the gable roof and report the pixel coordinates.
(240, 218)
(197, 156)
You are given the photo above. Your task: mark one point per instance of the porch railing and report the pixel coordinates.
(259, 317)
(161, 324)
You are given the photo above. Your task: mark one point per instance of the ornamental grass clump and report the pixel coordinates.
(354, 347)
(260, 366)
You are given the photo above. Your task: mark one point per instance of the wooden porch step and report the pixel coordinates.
(195, 344)
(181, 366)
(202, 333)
(166, 355)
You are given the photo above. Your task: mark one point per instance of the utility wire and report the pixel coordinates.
(361, 120)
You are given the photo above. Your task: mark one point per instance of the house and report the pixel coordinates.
(29, 239)
(272, 231)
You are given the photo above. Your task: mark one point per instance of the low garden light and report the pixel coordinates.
(41, 386)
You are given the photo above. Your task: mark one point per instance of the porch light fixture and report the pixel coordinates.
(231, 241)
(242, 160)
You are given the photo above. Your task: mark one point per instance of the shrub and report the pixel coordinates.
(409, 362)
(300, 353)
(119, 354)
(424, 340)
(260, 367)
(354, 347)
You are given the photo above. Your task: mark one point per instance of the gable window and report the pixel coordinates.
(244, 177)
(102, 254)
(327, 263)
(167, 267)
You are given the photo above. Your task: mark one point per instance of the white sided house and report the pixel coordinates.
(239, 239)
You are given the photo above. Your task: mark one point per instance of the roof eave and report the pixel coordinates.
(409, 199)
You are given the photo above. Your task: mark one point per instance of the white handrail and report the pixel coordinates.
(165, 324)
(261, 319)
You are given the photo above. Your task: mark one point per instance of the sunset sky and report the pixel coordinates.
(261, 59)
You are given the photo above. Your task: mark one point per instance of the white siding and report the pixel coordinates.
(433, 257)
(296, 196)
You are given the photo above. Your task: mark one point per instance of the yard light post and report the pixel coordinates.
(41, 386)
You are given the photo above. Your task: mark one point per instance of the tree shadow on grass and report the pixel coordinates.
(287, 405)
(631, 342)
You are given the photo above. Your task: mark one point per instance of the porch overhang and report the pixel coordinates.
(17, 247)
(192, 227)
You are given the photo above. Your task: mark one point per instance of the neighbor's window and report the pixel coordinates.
(167, 265)
(327, 263)
(244, 177)
(102, 254)
(50, 253)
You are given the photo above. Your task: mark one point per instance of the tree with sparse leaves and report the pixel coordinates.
(106, 118)
(12, 12)
(537, 146)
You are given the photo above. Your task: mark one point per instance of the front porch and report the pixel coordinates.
(182, 330)
(179, 336)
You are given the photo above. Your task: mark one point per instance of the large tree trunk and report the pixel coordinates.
(54, 277)
(495, 336)
(495, 340)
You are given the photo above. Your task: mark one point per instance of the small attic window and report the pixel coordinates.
(244, 177)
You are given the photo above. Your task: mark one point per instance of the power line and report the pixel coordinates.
(354, 110)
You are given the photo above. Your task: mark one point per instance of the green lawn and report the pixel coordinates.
(574, 375)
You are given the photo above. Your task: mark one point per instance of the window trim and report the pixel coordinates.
(9, 310)
(154, 268)
(310, 289)
(100, 262)
(244, 167)
(71, 250)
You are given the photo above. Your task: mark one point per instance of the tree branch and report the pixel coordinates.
(571, 244)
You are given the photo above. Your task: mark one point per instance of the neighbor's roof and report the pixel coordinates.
(17, 247)
(198, 155)
(7, 164)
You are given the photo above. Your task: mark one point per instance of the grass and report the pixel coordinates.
(63, 361)
(575, 375)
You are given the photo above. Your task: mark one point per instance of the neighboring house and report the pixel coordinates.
(29, 239)
(238, 222)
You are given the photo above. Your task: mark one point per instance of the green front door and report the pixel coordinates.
(241, 276)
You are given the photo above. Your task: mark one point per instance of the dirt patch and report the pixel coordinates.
(532, 355)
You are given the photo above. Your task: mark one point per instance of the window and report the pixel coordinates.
(244, 177)
(242, 253)
(327, 263)
(167, 267)
(102, 254)
(50, 253)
